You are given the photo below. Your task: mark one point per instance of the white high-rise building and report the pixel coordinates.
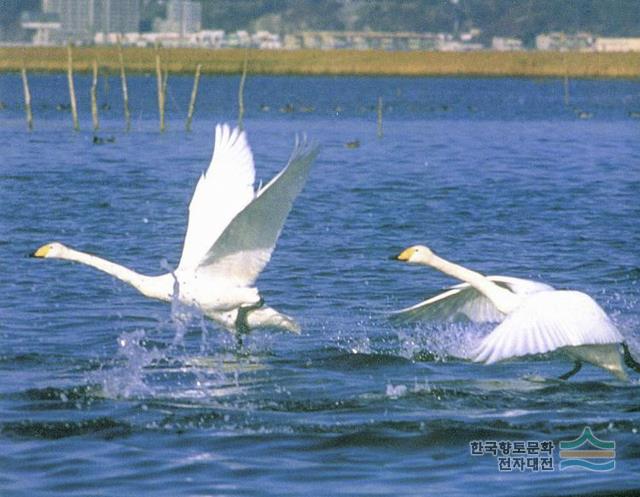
(184, 16)
(76, 19)
(117, 16)
(81, 19)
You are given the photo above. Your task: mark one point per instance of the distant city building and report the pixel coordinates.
(266, 40)
(617, 45)
(292, 42)
(187, 14)
(117, 16)
(207, 38)
(76, 19)
(239, 39)
(561, 42)
(80, 20)
(329, 40)
(43, 26)
(501, 44)
(470, 35)
(183, 17)
(107, 21)
(367, 40)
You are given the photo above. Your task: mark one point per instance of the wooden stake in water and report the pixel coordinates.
(94, 96)
(164, 85)
(27, 98)
(125, 91)
(241, 90)
(194, 95)
(161, 87)
(105, 84)
(566, 80)
(165, 78)
(379, 132)
(72, 91)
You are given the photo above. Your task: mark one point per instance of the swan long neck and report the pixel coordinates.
(504, 300)
(147, 285)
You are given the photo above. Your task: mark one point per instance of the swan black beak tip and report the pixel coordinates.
(393, 257)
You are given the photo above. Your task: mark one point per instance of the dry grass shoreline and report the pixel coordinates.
(336, 62)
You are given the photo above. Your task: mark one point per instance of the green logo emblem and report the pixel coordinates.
(588, 452)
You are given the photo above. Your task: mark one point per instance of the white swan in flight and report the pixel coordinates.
(534, 317)
(231, 234)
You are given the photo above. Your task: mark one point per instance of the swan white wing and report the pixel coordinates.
(454, 304)
(545, 322)
(463, 302)
(221, 192)
(245, 246)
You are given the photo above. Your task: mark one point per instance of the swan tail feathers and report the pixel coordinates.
(268, 317)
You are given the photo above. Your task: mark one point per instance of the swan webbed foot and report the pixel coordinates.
(577, 367)
(630, 362)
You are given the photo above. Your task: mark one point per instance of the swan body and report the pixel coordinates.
(533, 317)
(231, 233)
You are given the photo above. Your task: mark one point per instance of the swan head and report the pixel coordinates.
(416, 254)
(53, 249)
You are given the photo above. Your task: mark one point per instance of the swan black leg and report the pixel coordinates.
(628, 358)
(577, 367)
(242, 326)
(239, 343)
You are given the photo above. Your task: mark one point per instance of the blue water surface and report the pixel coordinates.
(107, 393)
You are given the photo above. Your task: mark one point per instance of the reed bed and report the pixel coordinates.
(334, 62)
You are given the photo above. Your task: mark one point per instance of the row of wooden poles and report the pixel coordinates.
(161, 91)
(161, 76)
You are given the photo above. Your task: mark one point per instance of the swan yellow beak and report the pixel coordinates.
(42, 251)
(404, 255)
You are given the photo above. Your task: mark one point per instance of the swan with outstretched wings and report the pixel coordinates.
(231, 233)
(532, 317)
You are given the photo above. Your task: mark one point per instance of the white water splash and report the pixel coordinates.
(395, 391)
(127, 380)
(442, 340)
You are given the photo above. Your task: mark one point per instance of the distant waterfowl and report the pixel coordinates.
(231, 234)
(583, 114)
(353, 144)
(98, 140)
(287, 108)
(534, 317)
